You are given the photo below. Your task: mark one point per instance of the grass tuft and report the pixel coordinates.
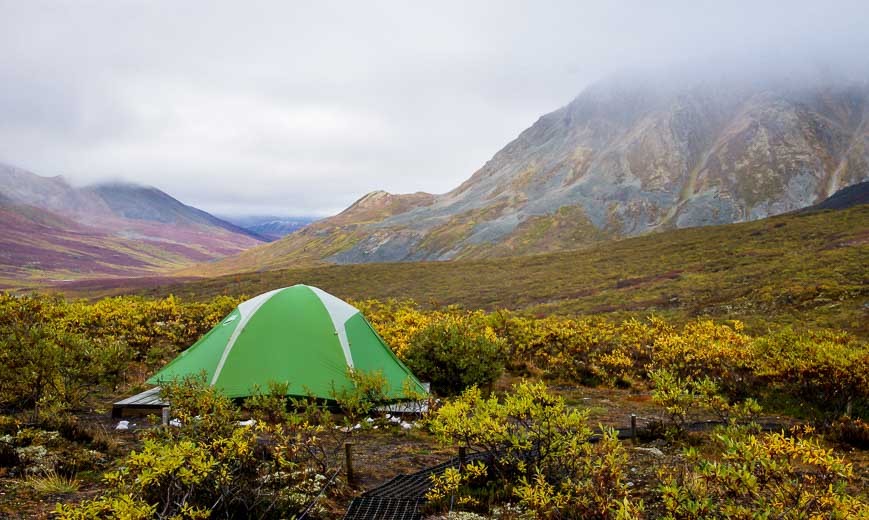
(53, 483)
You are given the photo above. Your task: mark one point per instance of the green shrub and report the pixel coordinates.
(682, 398)
(271, 406)
(762, 476)
(204, 411)
(43, 366)
(539, 452)
(829, 370)
(454, 354)
(121, 506)
(368, 390)
(595, 485)
(212, 466)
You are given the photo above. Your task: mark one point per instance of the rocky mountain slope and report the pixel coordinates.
(53, 231)
(628, 156)
(322, 239)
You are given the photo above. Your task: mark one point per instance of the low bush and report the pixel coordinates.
(213, 466)
(538, 451)
(454, 353)
(682, 399)
(54, 353)
(44, 367)
(368, 390)
(850, 431)
(826, 369)
(770, 475)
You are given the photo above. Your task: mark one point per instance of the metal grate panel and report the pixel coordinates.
(379, 508)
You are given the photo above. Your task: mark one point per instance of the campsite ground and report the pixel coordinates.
(20, 499)
(383, 453)
(379, 455)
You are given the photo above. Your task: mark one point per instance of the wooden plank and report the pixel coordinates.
(405, 407)
(150, 396)
(141, 402)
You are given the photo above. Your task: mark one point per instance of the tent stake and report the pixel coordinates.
(348, 461)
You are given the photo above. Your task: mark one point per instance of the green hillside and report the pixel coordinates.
(802, 269)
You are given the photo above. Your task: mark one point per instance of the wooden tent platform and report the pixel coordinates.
(407, 407)
(139, 404)
(404, 408)
(149, 401)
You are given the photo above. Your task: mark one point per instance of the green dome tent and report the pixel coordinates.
(298, 335)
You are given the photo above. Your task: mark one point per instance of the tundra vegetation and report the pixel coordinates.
(505, 380)
(801, 269)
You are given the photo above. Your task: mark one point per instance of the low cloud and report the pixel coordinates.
(276, 108)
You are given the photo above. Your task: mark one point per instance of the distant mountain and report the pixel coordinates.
(147, 203)
(628, 156)
(321, 239)
(269, 227)
(53, 231)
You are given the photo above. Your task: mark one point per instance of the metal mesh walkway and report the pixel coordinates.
(383, 508)
(400, 497)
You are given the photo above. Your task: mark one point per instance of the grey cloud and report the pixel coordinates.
(277, 107)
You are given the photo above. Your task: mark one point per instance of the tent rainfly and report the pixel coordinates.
(299, 335)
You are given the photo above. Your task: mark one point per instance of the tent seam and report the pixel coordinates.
(235, 334)
(343, 339)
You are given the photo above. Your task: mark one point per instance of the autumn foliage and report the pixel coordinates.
(62, 356)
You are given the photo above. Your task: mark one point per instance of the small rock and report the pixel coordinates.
(652, 451)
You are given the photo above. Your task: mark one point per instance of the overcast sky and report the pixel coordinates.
(300, 108)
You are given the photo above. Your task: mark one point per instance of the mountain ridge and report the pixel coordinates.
(139, 202)
(624, 158)
(53, 230)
